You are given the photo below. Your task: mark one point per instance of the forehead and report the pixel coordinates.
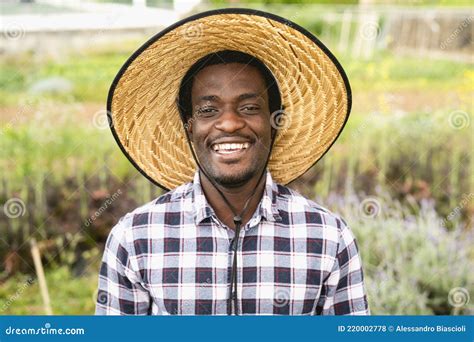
(228, 79)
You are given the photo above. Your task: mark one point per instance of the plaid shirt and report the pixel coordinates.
(173, 256)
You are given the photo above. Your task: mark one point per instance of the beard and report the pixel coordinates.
(237, 173)
(235, 178)
(233, 175)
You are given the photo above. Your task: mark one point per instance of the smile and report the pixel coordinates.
(229, 148)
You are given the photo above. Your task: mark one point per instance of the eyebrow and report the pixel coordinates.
(241, 97)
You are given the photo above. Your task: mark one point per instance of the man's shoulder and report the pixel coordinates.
(290, 199)
(171, 201)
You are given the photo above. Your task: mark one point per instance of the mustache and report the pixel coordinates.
(211, 140)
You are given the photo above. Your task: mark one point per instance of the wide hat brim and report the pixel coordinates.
(144, 116)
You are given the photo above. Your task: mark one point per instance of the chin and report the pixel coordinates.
(233, 177)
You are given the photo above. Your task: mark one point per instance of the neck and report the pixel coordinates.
(236, 196)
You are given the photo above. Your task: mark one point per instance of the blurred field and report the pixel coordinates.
(401, 175)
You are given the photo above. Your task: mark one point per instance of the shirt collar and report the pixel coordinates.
(267, 207)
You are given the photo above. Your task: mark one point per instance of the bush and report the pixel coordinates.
(413, 264)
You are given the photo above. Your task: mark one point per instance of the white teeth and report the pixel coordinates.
(229, 147)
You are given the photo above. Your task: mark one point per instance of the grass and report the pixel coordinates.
(417, 163)
(70, 295)
(90, 77)
(387, 72)
(413, 279)
(92, 74)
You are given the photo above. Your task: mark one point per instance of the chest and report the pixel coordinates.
(278, 271)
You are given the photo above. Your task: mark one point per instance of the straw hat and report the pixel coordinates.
(144, 116)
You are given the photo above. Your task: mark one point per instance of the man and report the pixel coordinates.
(230, 240)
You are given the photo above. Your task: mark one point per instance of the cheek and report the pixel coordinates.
(199, 132)
(263, 141)
(263, 129)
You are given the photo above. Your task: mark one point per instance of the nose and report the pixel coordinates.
(229, 121)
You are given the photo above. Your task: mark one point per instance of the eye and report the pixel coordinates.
(250, 109)
(206, 111)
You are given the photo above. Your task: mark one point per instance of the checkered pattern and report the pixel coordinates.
(173, 256)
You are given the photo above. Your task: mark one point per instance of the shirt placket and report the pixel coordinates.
(254, 221)
(230, 255)
(230, 234)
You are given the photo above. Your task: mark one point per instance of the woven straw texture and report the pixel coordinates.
(146, 120)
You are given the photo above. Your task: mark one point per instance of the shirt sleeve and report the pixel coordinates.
(344, 291)
(120, 291)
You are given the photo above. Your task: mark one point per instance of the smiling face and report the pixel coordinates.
(230, 128)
